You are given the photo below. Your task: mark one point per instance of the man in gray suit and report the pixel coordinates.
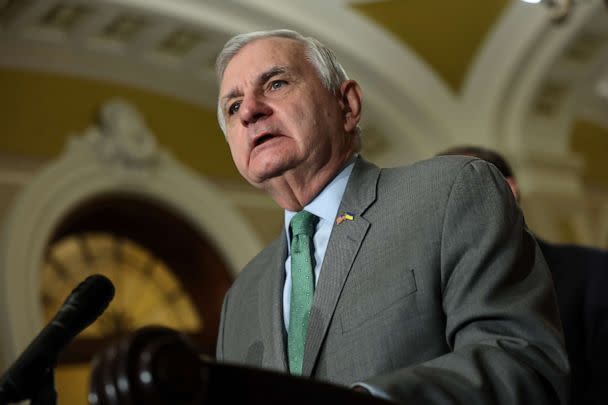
(427, 286)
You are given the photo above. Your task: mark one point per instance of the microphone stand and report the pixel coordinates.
(44, 393)
(32, 375)
(40, 392)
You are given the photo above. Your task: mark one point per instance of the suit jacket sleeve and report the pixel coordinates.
(502, 326)
(219, 350)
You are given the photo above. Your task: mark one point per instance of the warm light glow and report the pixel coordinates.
(532, 1)
(147, 291)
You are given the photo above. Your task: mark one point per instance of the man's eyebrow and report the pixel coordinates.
(262, 78)
(270, 73)
(231, 94)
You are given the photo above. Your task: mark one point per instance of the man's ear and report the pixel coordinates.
(350, 102)
(514, 187)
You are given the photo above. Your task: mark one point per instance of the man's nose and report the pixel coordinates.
(253, 109)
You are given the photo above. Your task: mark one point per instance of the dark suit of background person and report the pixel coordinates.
(580, 275)
(431, 292)
(581, 280)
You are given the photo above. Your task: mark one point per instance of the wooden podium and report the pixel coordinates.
(158, 366)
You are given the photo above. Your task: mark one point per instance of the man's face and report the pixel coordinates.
(279, 117)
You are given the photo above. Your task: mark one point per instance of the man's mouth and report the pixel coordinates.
(262, 138)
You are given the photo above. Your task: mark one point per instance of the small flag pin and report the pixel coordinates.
(346, 216)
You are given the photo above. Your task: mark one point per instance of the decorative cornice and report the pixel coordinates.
(121, 139)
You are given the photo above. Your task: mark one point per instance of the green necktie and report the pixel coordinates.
(302, 286)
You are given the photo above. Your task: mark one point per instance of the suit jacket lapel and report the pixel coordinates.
(271, 306)
(343, 246)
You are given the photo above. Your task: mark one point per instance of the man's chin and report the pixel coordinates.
(263, 182)
(258, 178)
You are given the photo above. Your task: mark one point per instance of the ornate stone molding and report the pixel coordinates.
(121, 139)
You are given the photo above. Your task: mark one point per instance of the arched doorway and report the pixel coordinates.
(165, 273)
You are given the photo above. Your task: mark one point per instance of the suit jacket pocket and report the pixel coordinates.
(376, 296)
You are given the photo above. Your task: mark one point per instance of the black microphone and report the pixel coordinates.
(82, 307)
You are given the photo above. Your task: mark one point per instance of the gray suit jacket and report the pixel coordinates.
(434, 292)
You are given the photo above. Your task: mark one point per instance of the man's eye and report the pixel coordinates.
(234, 107)
(277, 84)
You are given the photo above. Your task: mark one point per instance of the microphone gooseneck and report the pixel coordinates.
(81, 308)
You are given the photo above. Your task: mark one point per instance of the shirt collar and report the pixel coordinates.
(325, 205)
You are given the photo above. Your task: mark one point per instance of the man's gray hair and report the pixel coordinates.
(330, 71)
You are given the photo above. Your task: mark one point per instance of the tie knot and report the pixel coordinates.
(303, 223)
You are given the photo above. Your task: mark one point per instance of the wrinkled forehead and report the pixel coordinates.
(262, 54)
